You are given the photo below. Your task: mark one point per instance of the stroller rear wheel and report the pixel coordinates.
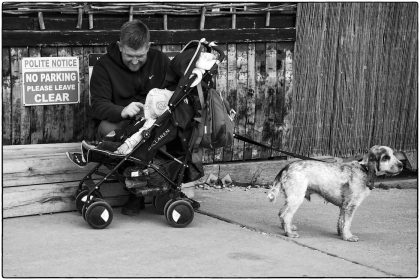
(99, 214)
(179, 213)
(81, 198)
(165, 210)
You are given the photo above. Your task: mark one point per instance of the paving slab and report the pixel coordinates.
(63, 245)
(386, 224)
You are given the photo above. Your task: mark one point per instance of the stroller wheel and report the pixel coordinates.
(82, 197)
(165, 210)
(99, 214)
(160, 201)
(179, 213)
(86, 206)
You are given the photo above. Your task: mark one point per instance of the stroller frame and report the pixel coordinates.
(178, 210)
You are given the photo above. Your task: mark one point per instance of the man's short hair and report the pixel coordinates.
(134, 34)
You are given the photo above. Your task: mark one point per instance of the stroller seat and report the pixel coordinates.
(165, 157)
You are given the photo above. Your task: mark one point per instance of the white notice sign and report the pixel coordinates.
(50, 80)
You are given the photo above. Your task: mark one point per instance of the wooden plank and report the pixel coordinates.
(279, 99)
(52, 198)
(25, 120)
(6, 98)
(79, 109)
(250, 107)
(89, 131)
(231, 93)
(41, 166)
(20, 114)
(18, 38)
(288, 93)
(37, 112)
(260, 102)
(221, 86)
(154, 22)
(66, 111)
(284, 68)
(22, 151)
(241, 97)
(51, 112)
(271, 61)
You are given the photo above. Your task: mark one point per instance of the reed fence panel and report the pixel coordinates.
(355, 84)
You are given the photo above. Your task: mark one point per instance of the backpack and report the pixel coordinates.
(217, 124)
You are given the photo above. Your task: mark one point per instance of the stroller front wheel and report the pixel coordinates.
(81, 198)
(179, 213)
(99, 214)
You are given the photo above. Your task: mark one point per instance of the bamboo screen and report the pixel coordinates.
(355, 78)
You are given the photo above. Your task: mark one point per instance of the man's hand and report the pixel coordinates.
(131, 110)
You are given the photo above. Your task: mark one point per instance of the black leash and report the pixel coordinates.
(242, 138)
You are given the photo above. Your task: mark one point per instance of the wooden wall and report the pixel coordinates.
(346, 80)
(255, 78)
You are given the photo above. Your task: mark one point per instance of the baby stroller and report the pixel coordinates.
(168, 153)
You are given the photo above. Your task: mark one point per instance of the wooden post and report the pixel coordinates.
(79, 18)
(90, 21)
(41, 21)
(267, 17)
(165, 22)
(203, 18)
(232, 10)
(130, 16)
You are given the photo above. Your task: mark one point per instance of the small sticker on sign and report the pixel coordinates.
(176, 216)
(135, 174)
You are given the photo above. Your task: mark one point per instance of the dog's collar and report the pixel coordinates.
(364, 167)
(370, 183)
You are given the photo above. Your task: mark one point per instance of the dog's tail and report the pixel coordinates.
(274, 191)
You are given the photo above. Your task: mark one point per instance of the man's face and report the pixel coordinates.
(133, 59)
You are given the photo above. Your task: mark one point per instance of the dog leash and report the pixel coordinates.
(242, 138)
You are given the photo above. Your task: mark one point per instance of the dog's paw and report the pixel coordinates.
(271, 197)
(292, 234)
(293, 227)
(352, 238)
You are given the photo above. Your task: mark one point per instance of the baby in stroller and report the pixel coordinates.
(156, 103)
(155, 155)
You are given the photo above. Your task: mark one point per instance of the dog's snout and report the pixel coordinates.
(400, 165)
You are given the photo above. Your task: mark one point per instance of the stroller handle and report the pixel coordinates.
(218, 49)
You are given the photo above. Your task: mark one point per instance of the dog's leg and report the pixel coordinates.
(340, 222)
(348, 210)
(292, 204)
(293, 227)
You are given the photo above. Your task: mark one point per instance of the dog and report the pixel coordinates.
(345, 185)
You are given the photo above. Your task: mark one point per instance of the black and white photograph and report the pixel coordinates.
(190, 139)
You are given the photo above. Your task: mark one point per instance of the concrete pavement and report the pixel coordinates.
(237, 236)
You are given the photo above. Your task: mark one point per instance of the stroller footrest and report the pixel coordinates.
(147, 191)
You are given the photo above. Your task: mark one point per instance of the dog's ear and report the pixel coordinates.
(372, 165)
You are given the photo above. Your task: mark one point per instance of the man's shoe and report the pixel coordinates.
(77, 159)
(133, 205)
